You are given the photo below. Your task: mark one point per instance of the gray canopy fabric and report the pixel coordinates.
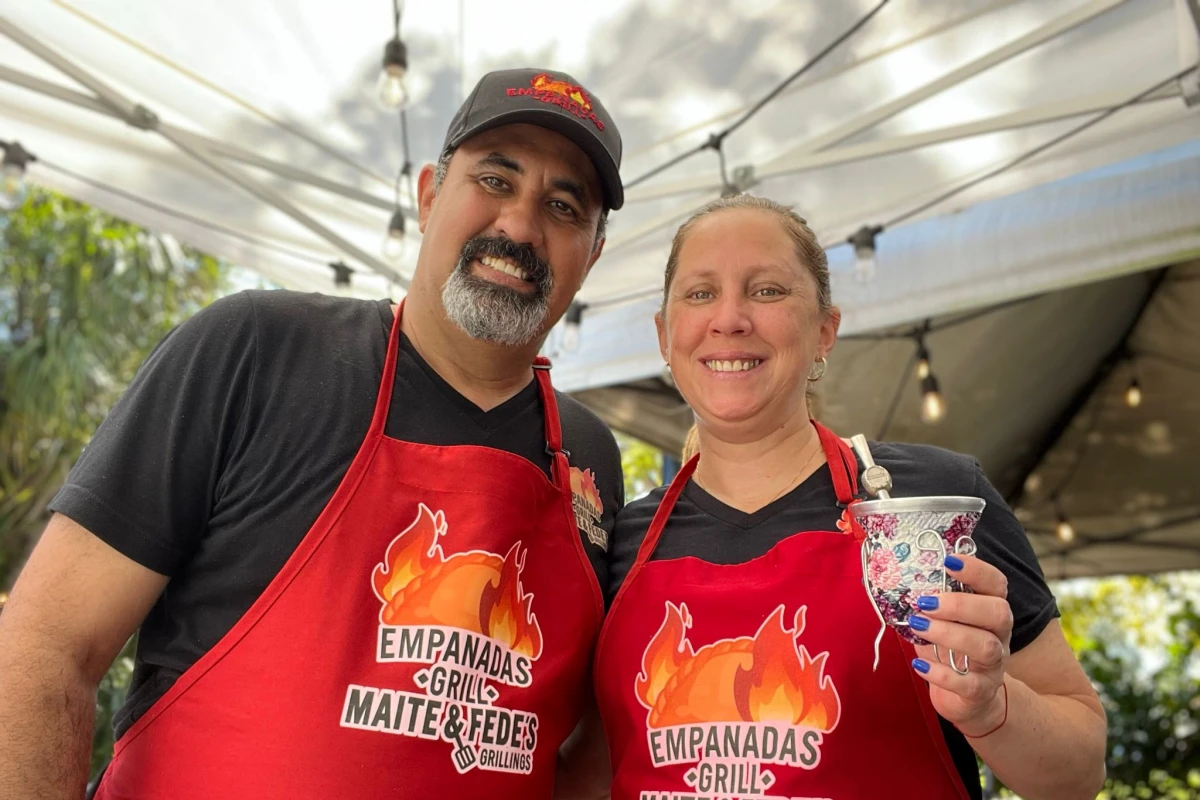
(1127, 477)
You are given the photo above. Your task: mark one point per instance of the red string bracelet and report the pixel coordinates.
(1002, 721)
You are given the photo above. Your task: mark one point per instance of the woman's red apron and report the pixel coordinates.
(754, 680)
(430, 637)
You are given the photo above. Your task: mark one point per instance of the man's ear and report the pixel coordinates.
(426, 194)
(596, 251)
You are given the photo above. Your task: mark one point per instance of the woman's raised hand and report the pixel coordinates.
(977, 625)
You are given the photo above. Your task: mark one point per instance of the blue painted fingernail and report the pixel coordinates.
(927, 603)
(954, 563)
(918, 623)
(921, 665)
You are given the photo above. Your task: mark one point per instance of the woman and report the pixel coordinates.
(737, 657)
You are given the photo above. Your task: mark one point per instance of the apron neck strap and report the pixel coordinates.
(843, 466)
(383, 400)
(554, 440)
(541, 372)
(664, 510)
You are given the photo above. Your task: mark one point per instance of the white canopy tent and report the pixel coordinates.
(262, 143)
(250, 130)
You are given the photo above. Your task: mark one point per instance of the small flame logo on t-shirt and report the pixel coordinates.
(589, 509)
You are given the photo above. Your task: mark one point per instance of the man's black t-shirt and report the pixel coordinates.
(703, 527)
(235, 434)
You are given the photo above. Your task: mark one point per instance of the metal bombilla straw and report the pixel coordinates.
(875, 479)
(878, 483)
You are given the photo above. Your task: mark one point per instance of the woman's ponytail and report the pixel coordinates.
(691, 445)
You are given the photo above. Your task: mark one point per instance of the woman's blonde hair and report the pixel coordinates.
(808, 251)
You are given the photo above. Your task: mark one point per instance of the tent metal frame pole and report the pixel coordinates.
(893, 145)
(126, 108)
(1016, 47)
(1021, 44)
(235, 153)
(703, 126)
(274, 198)
(653, 224)
(1189, 10)
(141, 117)
(215, 146)
(1005, 122)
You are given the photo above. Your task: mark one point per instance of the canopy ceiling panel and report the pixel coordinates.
(1126, 477)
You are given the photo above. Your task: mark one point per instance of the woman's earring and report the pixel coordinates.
(817, 370)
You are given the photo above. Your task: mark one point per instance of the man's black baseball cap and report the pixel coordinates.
(552, 100)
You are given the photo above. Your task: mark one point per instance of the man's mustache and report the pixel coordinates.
(522, 255)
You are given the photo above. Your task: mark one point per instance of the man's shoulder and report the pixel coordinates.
(278, 311)
(592, 446)
(308, 311)
(308, 327)
(306, 351)
(579, 421)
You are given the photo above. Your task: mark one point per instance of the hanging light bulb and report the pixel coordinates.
(1064, 530)
(863, 241)
(922, 362)
(1133, 394)
(395, 241)
(393, 79)
(933, 407)
(571, 327)
(12, 175)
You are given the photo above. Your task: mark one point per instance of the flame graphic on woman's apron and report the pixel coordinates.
(764, 678)
(476, 591)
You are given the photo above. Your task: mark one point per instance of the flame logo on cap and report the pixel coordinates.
(545, 83)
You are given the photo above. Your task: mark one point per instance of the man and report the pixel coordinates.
(361, 561)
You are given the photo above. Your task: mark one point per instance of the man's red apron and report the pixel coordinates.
(754, 680)
(430, 637)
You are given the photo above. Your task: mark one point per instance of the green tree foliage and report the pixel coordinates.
(642, 465)
(84, 297)
(1138, 638)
